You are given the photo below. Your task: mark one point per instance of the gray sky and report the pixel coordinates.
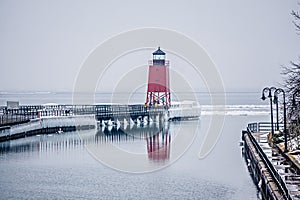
(44, 43)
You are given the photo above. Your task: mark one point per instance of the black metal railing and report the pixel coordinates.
(274, 173)
(263, 126)
(109, 111)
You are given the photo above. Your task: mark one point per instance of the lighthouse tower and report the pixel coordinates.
(158, 93)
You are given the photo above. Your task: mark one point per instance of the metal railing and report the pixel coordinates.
(166, 63)
(274, 173)
(25, 113)
(263, 126)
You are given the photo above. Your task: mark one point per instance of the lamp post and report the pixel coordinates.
(277, 112)
(263, 97)
(278, 91)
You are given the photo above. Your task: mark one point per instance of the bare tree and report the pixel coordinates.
(291, 75)
(296, 22)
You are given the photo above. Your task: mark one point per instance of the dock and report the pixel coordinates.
(103, 114)
(23, 114)
(45, 119)
(273, 171)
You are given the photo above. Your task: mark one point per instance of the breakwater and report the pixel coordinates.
(22, 121)
(47, 125)
(102, 112)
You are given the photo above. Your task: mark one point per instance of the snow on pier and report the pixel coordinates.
(48, 124)
(28, 120)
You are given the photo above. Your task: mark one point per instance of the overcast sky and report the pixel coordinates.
(44, 43)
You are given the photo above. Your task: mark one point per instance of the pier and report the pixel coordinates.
(272, 170)
(134, 112)
(44, 119)
(102, 112)
(48, 125)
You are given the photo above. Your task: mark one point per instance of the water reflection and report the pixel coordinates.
(45, 143)
(158, 146)
(41, 163)
(156, 141)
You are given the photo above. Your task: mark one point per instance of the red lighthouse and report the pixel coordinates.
(158, 92)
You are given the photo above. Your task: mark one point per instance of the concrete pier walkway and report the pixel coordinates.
(286, 170)
(46, 125)
(282, 168)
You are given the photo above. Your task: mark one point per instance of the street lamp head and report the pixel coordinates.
(270, 91)
(263, 97)
(270, 94)
(278, 91)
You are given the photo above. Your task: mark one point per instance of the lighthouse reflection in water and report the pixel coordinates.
(158, 146)
(156, 139)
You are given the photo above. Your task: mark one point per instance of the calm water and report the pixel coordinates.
(60, 167)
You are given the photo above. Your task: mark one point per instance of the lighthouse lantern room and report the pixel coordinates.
(158, 92)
